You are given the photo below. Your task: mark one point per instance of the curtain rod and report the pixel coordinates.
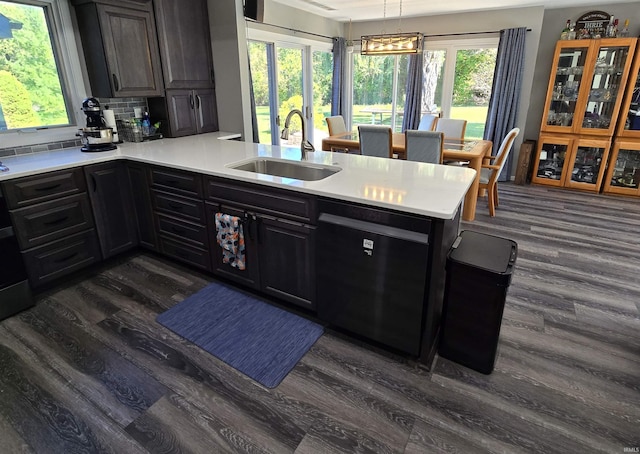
(465, 34)
(332, 37)
(290, 29)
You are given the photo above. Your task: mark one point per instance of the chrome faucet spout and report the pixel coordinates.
(305, 146)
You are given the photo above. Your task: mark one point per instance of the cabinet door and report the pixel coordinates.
(610, 64)
(287, 260)
(629, 119)
(250, 275)
(206, 111)
(549, 165)
(623, 175)
(180, 106)
(586, 164)
(112, 207)
(185, 43)
(565, 91)
(139, 183)
(130, 46)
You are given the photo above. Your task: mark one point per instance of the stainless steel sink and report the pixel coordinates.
(305, 171)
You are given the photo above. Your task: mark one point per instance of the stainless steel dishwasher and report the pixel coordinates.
(372, 276)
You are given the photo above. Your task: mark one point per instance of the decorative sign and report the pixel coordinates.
(592, 25)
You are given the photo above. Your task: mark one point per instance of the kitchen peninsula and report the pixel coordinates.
(175, 187)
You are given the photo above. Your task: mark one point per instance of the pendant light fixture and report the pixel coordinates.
(391, 44)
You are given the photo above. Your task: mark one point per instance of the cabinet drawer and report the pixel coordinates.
(59, 258)
(188, 254)
(41, 188)
(177, 182)
(179, 207)
(266, 200)
(183, 231)
(49, 221)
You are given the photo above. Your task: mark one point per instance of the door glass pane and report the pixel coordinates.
(290, 92)
(30, 84)
(401, 91)
(633, 115)
(322, 84)
(472, 88)
(566, 86)
(551, 161)
(260, 80)
(433, 77)
(626, 172)
(605, 86)
(587, 164)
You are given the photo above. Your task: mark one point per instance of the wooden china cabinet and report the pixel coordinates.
(623, 174)
(584, 97)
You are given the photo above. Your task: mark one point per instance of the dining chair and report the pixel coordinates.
(336, 125)
(428, 122)
(452, 128)
(424, 146)
(489, 173)
(376, 140)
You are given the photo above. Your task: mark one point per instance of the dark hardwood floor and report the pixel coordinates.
(89, 370)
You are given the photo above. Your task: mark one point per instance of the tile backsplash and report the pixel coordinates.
(122, 108)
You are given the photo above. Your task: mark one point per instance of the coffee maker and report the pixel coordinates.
(96, 136)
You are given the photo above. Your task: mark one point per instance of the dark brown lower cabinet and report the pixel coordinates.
(139, 180)
(110, 194)
(287, 260)
(62, 257)
(279, 255)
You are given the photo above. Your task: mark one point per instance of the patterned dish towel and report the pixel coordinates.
(231, 239)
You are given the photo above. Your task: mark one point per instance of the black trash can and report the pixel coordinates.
(479, 269)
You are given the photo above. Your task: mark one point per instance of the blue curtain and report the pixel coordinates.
(505, 95)
(413, 101)
(339, 65)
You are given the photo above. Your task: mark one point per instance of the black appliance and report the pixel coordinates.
(96, 136)
(372, 276)
(15, 294)
(479, 269)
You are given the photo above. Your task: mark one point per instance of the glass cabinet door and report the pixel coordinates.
(565, 87)
(606, 89)
(587, 164)
(629, 123)
(550, 159)
(623, 176)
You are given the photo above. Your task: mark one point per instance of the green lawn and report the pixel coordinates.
(475, 116)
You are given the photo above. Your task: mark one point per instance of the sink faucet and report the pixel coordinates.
(305, 145)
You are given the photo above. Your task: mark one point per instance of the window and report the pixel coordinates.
(458, 76)
(40, 77)
(379, 84)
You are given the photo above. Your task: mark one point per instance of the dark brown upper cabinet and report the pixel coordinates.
(120, 46)
(185, 43)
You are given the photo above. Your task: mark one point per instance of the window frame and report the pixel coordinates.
(67, 49)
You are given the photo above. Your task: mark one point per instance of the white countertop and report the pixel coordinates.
(425, 189)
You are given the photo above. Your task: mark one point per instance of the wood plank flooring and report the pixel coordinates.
(89, 370)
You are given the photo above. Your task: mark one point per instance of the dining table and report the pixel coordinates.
(473, 151)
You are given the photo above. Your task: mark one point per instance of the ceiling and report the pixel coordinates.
(363, 10)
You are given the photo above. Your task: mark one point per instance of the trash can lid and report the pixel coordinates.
(480, 250)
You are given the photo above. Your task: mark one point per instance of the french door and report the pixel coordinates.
(288, 76)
